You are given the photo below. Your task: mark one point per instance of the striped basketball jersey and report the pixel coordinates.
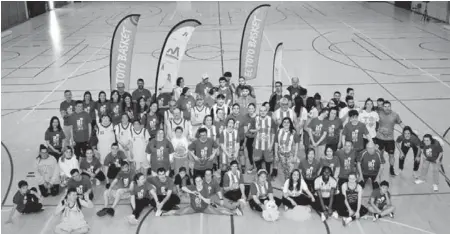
(264, 134)
(198, 114)
(230, 139)
(285, 140)
(168, 116)
(123, 133)
(211, 132)
(215, 107)
(279, 115)
(185, 124)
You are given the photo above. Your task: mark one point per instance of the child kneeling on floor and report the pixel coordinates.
(26, 201)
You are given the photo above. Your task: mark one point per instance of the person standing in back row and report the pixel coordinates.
(67, 107)
(140, 91)
(385, 134)
(81, 129)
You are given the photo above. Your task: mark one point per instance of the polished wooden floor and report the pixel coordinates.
(379, 50)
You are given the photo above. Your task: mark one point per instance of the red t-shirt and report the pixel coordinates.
(203, 151)
(159, 151)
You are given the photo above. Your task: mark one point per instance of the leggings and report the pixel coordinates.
(342, 210)
(301, 200)
(285, 164)
(54, 190)
(405, 151)
(372, 178)
(255, 206)
(32, 205)
(317, 206)
(249, 145)
(173, 201)
(80, 149)
(140, 205)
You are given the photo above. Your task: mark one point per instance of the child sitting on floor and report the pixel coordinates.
(182, 180)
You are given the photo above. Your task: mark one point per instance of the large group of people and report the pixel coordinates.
(197, 145)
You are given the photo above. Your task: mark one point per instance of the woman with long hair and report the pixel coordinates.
(140, 197)
(370, 118)
(185, 102)
(312, 113)
(102, 106)
(66, 163)
(89, 106)
(54, 138)
(47, 173)
(310, 168)
(141, 110)
(250, 133)
(334, 129)
(179, 88)
(72, 219)
(123, 134)
(286, 146)
(296, 192)
(211, 130)
(115, 107)
(409, 140)
(433, 152)
(105, 135)
(128, 106)
(318, 102)
(154, 121)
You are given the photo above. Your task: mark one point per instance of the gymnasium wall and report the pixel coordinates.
(13, 13)
(436, 9)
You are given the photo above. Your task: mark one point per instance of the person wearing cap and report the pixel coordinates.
(185, 102)
(140, 91)
(198, 113)
(261, 191)
(245, 99)
(242, 84)
(204, 86)
(121, 90)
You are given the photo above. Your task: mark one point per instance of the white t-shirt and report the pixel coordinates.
(325, 188)
(303, 114)
(370, 119)
(294, 192)
(180, 145)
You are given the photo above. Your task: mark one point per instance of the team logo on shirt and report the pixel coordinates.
(91, 169)
(371, 165)
(163, 190)
(116, 110)
(126, 181)
(198, 201)
(309, 172)
(188, 105)
(80, 190)
(69, 110)
(140, 194)
(347, 163)
(331, 130)
(160, 153)
(80, 124)
(103, 109)
(56, 140)
(407, 144)
(355, 136)
(87, 109)
(429, 152)
(318, 130)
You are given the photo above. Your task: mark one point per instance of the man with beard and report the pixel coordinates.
(140, 91)
(274, 100)
(343, 114)
(243, 84)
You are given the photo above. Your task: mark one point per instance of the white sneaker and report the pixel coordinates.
(435, 187)
(415, 175)
(158, 213)
(97, 182)
(132, 220)
(419, 181)
(308, 209)
(322, 217)
(346, 221)
(335, 215)
(238, 212)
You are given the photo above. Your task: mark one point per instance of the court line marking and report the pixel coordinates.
(201, 223)
(361, 229)
(138, 229)
(62, 82)
(47, 223)
(396, 54)
(174, 12)
(12, 174)
(407, 226)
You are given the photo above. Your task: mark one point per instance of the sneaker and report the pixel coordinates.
(158, 213)
(39, 211)
(415, 175)
(97, 182)
(102, 212)
(335, 215)
(346, 221)
(239, 212)
(110, 211)
(392, 171)
(376, 217)
(132, 220)
(419, 181)
(107, 185)
(308, 209)
(322, 217)
(176, 207)
(435, 187)
(391, 215)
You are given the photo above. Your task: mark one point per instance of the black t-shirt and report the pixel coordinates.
(185, 181)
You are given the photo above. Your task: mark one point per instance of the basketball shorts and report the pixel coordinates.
(385, 145)
(267, 155)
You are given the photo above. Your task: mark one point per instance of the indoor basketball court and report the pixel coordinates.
(375, 48)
